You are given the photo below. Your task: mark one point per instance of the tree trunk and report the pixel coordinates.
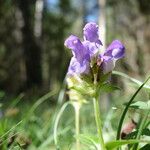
(31, 47)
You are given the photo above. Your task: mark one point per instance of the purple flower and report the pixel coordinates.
(115, 51)
(84, 51)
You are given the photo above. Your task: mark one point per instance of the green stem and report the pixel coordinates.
(98, 123)
(77, 123)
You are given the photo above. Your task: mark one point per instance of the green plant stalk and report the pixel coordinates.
(127, 107)
(77, 123)
(141, 128)
(98, 123)
(97, 115)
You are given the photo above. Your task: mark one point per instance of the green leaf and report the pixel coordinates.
(104, 77)
(108, 88)
(84, 90)
(141, 105)
(87, 79)
(114, 144)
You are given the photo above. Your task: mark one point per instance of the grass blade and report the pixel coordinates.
(11, 129)
(57, 121)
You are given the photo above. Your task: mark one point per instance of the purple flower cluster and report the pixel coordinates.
(84, 51)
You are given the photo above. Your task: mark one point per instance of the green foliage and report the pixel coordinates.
(118, 143)
(141, 105)
(39, 128)
(15, 135)
(127, 107)
(108, 88)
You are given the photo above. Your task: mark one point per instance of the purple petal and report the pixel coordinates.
(78, 68)
(116, 50)
(91, 48)
(72, 42)
(108, 64)
(91, 34)
(78, 50)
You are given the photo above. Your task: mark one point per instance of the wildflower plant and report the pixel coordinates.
(89, 70)
(90, 67)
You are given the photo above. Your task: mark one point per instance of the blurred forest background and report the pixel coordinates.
(32, 34)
